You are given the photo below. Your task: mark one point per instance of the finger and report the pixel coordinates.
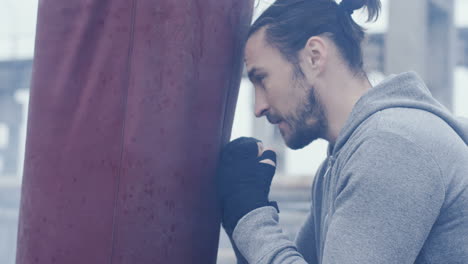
(240, 148)
(260, 148)
(268, 154)
(268, 161)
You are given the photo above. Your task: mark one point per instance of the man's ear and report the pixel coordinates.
(314, 56)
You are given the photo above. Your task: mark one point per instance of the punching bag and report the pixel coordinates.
(131, 101)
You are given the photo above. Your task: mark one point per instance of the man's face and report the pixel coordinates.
(283, 95)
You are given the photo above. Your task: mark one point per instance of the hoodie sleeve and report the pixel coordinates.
(240, 259)
(261, 240)
(389, 194)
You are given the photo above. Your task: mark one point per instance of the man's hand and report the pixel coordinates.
(245, 172)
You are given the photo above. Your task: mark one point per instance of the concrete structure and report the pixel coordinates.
(421, 37)
(9, 203)
(374, 53)
(14, 75)
(462, 47)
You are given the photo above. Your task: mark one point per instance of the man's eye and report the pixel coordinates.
(260, 78)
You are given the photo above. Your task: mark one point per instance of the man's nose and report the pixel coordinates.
(261, 105)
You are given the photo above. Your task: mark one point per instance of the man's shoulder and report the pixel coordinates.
(401, 129)
(395, 130)
(418, 126)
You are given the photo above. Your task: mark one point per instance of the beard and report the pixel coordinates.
(308, 123)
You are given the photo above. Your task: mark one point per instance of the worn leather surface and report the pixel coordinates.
(130, 103)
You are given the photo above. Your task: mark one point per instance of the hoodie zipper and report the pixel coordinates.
(329, 165)
(324, 224)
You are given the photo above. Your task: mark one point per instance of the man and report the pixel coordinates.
(394, 187)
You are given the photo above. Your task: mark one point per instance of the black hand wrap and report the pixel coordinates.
(243, 182)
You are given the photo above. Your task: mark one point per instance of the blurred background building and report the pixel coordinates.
(427, 36)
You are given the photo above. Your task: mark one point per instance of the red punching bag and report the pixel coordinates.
(130, 103)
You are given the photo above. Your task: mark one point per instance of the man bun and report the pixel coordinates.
(372, 6)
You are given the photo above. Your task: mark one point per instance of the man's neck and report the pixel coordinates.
(344, 94)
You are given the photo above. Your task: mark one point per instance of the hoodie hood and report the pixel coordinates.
(404, 90)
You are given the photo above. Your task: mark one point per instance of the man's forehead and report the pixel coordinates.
(255, 48)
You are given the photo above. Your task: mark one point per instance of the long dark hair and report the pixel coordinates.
(290, 23)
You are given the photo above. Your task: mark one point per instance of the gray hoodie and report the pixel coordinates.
(393, 189)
